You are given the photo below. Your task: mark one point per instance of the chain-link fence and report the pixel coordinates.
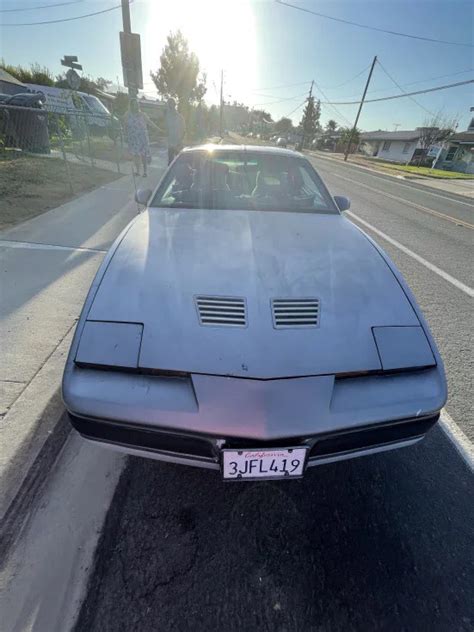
(75, 136)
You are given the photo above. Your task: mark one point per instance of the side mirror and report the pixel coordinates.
(343, 203)
(142, 196)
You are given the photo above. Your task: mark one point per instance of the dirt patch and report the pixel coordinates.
(31, 185)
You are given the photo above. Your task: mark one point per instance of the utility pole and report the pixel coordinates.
(304, 122)
(221, 111)
(348, 147)
(127, 29)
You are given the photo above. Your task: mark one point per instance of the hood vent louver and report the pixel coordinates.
(221, 311)
(295, 312)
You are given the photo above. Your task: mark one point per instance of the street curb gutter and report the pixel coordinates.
(44, 579)
(26, 428)
(399, 176)
(11, 526)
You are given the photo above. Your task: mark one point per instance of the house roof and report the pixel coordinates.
(8, 78)
(463, 137)
(403, 135)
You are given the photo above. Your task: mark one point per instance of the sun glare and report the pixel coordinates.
(220, 32)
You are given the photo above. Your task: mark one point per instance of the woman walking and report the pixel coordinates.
(137, 134)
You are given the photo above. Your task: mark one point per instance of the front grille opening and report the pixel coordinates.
(221, 311)
(295, 312)
(144, 438)
(371, 437)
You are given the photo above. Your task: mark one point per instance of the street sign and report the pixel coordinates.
(131, 60)
(70, 62)
(73, 79)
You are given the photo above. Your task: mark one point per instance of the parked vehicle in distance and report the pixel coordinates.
(78, 106)
(24, 99)
(242, 323)
(24, 122)
(281, 142)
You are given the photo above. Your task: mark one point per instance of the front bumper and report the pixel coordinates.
(205, 451)
(190, 419)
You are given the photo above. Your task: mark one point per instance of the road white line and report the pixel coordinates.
(31, 245)
(441, 273)
(462, 444)
(419, 207)
(384, 177)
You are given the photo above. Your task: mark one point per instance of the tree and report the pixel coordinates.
(283, 126)
(310, 120)
(262, 115)
(88, 85)
(102, 83)
(178, 75)
(331, 125)
(345, 136)
(34, 74)
(435, 131)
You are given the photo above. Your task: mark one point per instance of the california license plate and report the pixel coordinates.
(267, 463)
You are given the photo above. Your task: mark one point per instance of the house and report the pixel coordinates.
(10, 85)
(458, 154)
(399, 146)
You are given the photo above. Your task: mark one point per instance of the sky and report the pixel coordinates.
(270, 53)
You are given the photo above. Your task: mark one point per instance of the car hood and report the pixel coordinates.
(170, 257)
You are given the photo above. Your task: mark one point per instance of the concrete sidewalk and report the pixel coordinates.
(457, 187)
(48, 263)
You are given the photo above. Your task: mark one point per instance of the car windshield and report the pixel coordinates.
(95, 104)
(243, 180)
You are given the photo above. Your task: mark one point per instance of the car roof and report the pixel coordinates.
(261, 149)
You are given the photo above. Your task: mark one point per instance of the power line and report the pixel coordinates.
(279, 100)
(43, 6)
(404, 91)
(348, 80)
(288, 85)
(302, 83)
(326, 102)
(413, 83)
(372, 28)
(77, 17)
(269, 96)
(405, 94)
(296, 108)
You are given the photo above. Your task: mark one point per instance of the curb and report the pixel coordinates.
(26, 429)
(45, 575)
(24, 502)
(400, 176)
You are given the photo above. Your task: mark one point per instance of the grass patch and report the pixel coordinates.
(31, 185)
(413, 169)
(434, 173)
(98, 148)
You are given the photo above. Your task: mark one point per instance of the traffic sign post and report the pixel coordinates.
(73, 79)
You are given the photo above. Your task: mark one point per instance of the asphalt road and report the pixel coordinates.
(387, 204)
(376, 544)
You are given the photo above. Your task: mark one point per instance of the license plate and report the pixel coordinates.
(267, 463)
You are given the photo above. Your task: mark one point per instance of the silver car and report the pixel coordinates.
(242, 323)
